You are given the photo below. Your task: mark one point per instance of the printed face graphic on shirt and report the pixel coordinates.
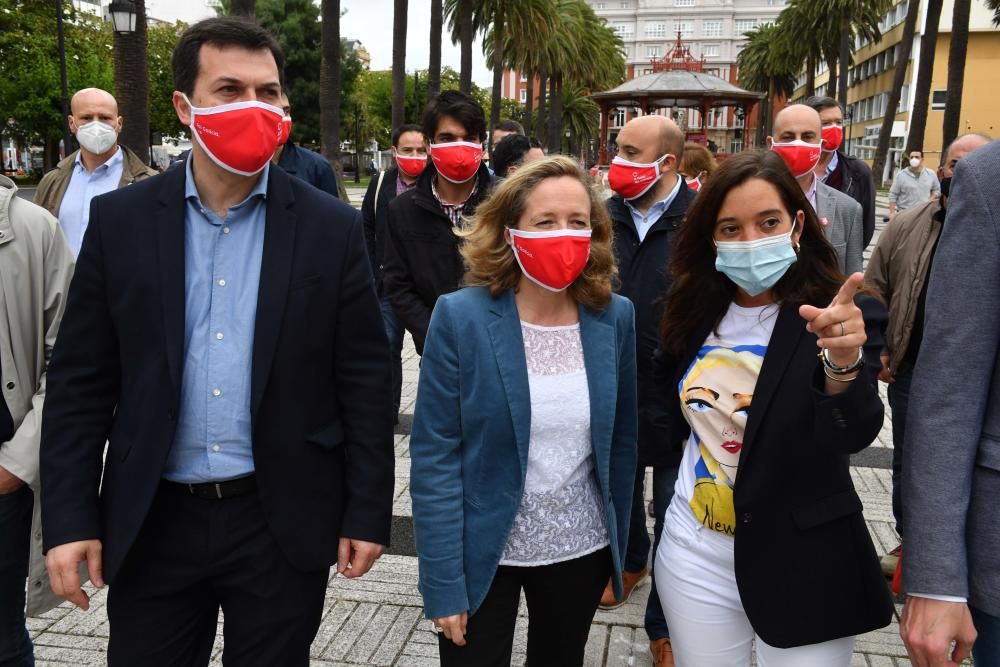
(716, 394)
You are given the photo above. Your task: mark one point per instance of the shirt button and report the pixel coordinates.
(225, 230)
(215, 448)
(216, 392)
(222, 282)
(218, 336)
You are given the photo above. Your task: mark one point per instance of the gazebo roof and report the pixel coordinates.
(677, 88)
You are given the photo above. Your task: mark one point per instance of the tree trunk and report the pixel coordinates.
(434, 63)
(834, 79)
(132, 84)
(498, 68)
(329, 89)
(399, 62)
(899, 76)
(810, 74)
(555, 115)
(465, 37)
(956, 72)
(543, 117)
(844, 61)
(928, 45)
(242, 7)
(529, 103)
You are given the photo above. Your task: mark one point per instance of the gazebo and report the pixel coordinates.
(678, 80)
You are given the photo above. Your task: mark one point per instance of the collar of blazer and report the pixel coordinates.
(600, 359)
(276, 265)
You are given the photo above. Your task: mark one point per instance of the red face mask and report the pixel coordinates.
(633, 179)
(411, 165)
(286, 130)
(552, 260)
(457, 161)
(833, 136)
(239, 137)
(800, 157)
(695, 184)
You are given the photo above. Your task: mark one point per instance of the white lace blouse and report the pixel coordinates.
(560, 516)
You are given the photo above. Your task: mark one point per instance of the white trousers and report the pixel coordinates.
(696, 582)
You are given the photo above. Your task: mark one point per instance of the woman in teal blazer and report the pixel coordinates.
(523, 448)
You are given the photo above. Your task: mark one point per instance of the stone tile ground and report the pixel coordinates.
(377, 620)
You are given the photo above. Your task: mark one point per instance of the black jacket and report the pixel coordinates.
(310, 166)
(319, 404)
(853, 177)
(421, 260)
(800, 527)
(375, 214)
(644, 279)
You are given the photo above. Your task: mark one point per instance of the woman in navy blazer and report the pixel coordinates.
(524, 439)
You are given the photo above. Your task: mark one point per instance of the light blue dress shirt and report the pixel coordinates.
(831, 167)
(222, 258)
(74, 210)
(643, 223)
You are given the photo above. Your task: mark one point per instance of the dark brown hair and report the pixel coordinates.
(701, 292)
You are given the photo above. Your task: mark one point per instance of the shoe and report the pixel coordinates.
(890, 561)
(630, 580)
(662, 652)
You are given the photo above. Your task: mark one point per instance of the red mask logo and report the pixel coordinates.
(552, 260)
(286, 130)
(411, 165)
(457, 161)
(239, 137)
(800, 157)
(633, 179)
(833, 137)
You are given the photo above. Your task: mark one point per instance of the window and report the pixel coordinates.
(619, 118)
(736, 145)
(647, 71)
(601, 5)
(653, 51)
(938, 99)
(623, 30)
(745, 25)
(658, 29)
(524, 95)
(683, 3)
(684, 27)
(711, 28)
(625, 4)
(524, 77)
(710, 51)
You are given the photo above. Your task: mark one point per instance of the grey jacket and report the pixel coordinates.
(845, 226)
(951, 461)
(36, 266)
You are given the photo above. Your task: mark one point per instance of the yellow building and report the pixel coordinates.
(873, 68)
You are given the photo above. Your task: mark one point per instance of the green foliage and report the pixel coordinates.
(995, 6)
(159, 48)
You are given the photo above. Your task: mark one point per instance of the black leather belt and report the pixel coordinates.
(232, 488)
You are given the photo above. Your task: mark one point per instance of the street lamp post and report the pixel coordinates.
(850, 117)
(67, 137)
(128, 18)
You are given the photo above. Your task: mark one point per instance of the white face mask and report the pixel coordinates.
(914, 162)
(97, 137)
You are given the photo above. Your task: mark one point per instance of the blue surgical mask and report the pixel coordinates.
(758, 265)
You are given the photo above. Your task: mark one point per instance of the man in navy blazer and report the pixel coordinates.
(222, 335)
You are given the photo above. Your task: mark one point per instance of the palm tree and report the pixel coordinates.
(434, 64)
(466, 35)
(582, 117)
(242, 7)
(898, 77)
(794, 21)
(132, 83)
(956, 71)
(329, 88)
(765, 66)
(995, 6)
(398, 62)
(928, 46)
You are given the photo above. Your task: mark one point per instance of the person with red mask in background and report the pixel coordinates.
(302, 163)
(409, 150)
(421, 260)
(217, 431)
(798, 140)
(839, 170)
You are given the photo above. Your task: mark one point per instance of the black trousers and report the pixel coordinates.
(194, 556)
(561, 598)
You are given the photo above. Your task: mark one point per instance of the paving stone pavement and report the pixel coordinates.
(377, 620)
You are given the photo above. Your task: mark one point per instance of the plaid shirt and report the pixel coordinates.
(453, 211)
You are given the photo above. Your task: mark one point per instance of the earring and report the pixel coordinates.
(797, 246)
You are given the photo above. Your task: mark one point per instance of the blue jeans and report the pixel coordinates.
(394, 332)
(15, 538)
(637, 552)
(899, 401)
(986, 650)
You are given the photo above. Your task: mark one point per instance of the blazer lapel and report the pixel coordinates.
(780, 350)
(275, 273)
(168, 221)
(508, 348)
(600, 358)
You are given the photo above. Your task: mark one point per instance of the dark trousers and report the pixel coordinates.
(986, 650)
(664, 479)
(394, 331)
(15, 546)
(561, 598)
(899, 402)
(194, 556)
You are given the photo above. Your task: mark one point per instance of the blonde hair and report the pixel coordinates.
(697, 159)
(489, 258)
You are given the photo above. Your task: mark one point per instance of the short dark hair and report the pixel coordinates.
(509, 152)
(509, 125)
(407, 127)
(819, 103)
(220, 31)
(915, 150)
(459, 106)
(535, 143)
